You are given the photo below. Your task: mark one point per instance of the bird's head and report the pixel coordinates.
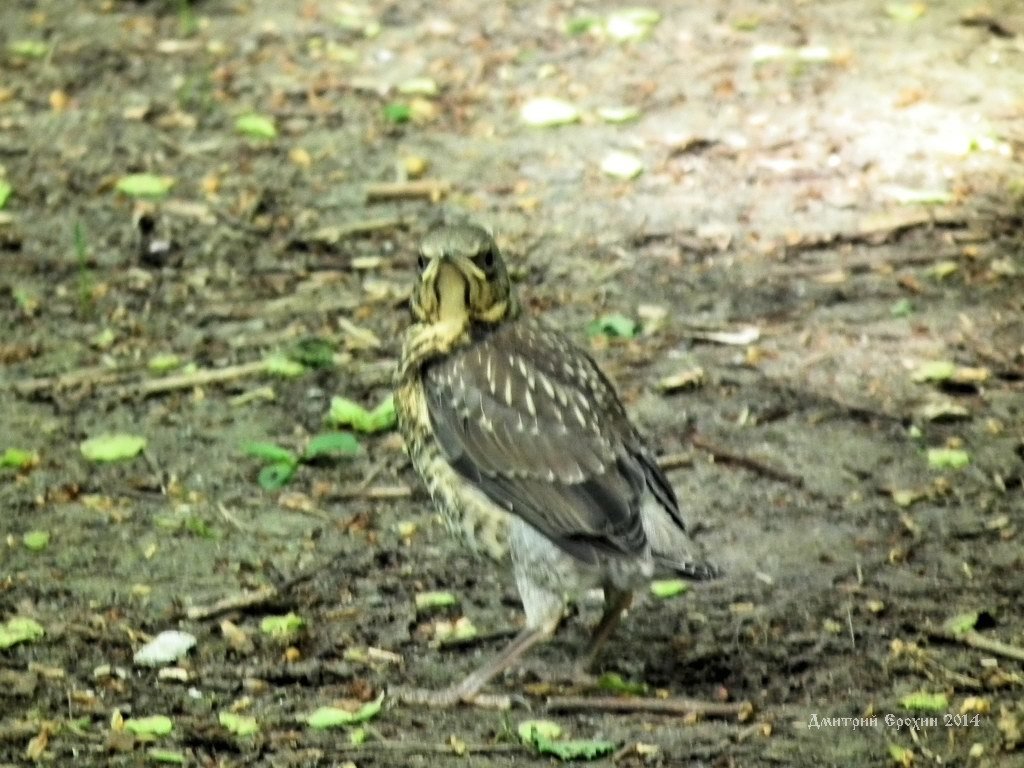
(462, 278)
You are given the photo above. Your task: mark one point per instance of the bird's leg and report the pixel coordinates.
(468, 691)
(616, 601)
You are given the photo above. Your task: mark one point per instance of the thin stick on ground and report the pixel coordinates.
(982, 643)
(233, 603)
(677, 707)
(747, 462)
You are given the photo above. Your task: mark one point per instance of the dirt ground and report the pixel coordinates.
(832, 197)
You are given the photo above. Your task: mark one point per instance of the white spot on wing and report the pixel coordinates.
(530, 407)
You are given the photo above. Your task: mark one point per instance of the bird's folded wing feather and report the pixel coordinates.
(529, 420)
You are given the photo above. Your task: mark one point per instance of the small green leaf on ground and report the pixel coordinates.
(28, 49)
(358, 736)
(948, 458)
(456, 632)
(282, 626)
(164, 362)
(397, 112)
(270, 453)
(544, 736)
(112, 447)
(431, 601)
(901, 756)
(240, 725)
(5, 193)
(418, 86)
(166, 756)
(154, 725)
(334, 717)
(36, 541)
(962, 623)
(618, 114)
(908, 196)
(631, 24)
(531, 730)
(580, 25)
(902, 308)
(275, 476)
(144, 185)
(612, 681)
(934, 370)
(16, 458)
(19, 630)
(614, 326)
(280, 365)
(331, 444)
(622, 165)
(313, 352)
(545, 112)
(345, 412)
(905, 11)
(928, 702)
(666, 588)
(256, 126)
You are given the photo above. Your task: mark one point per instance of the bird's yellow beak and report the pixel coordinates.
(451, 291)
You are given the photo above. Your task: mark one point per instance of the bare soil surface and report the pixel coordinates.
(832, 197)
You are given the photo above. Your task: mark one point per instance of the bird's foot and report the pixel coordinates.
(452, 697)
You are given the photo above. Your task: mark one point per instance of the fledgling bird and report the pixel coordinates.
(526, 449)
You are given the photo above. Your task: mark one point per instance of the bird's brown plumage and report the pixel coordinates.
(520, 438)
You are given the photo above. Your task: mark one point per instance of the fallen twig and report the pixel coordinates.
(679, 707)
(429, 189)
(747, 462)
(979, 641)
(233, 603)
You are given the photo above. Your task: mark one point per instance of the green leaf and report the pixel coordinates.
(928, 702)
(357, 736)
(112, 447)
(962, 623)
(334, 717)
(622, 165)
(934, 370)
(240, 725)
(345, 412)
(270, 453)
(631, 24)
(36, 541)
(282, 626)
(331, 444)
(902, 308)
(18, 459)
(418, 86)
(577, 749)
(531, 730)
(612, 681)
(275, 476)
(618, 114)
(431, 601)
(666, 588)
(154, 725)
(313, 353)
(164, 362)
(28, 49)
(614, 326)
(166, 756)
(19, 630)
(905, 11)
(5, 192)
(144, 185)
(544, 736)
(901, 755)
(544, 112)
(948, 458)
(256, 126)
(396, 112)
(580, 25)
(279, 365)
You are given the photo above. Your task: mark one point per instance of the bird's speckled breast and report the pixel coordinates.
(470, 516)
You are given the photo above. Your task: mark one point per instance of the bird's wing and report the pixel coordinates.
(530, 420)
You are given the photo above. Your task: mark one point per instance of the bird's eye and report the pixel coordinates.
(422, 262)
(489, 259)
